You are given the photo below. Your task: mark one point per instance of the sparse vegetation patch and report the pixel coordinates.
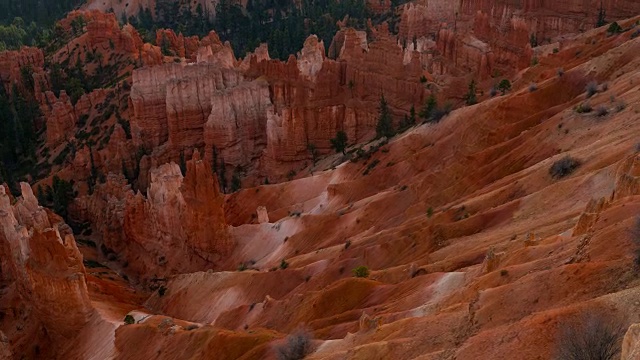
(361, 272)
(563, 167)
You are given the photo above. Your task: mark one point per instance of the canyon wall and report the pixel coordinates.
(259, 114)
(484, 37)
(171, 102)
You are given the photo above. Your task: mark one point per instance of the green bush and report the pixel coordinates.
(361, 272)
(614, 28)
(284, 264)
(129, 320)
(471, 98)
(583, 108)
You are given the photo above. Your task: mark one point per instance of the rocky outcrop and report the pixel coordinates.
(627, 178)
(262, 214)
(631, 343)
(311, 58)
(45, 264)
(261, 53)
(467, 53)
(102, 31)
(213, 51)
(344, 95)
(178, 227)
(627, 183)
(11, 63)
(492, 260)
(348, 38)
(60, 117)
(424, 18)
(172, 102)
(236, 126)
(178, 45)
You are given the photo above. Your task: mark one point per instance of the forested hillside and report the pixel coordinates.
(281, 24)
(27, 22)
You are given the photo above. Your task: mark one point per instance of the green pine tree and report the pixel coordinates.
(339, 143)
(385, 122)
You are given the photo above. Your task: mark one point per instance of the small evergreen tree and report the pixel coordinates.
(429, 107)
(58, 196)
(602, 14)
(222, 176)
(470, 97)
(504, 86)
(314, 152)
(165, 46)
(214, 160)
(412, 115)
(125, 172)
(183, 163)
(42, 200)
(614, 28)
(385, 125)
(236, 182)
(93, 175)
(339, 143)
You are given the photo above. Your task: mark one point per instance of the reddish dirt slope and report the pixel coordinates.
(475, 250)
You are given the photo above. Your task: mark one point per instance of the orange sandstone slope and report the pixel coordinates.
(475, 250)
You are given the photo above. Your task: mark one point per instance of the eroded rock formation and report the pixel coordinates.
(41, 260)
(12, 62)
(178, 227)
(258, 114)
(494, 36)
(61, 118)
